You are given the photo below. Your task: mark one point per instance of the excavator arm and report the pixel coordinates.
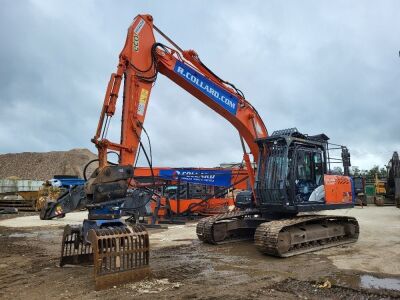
(140, 61)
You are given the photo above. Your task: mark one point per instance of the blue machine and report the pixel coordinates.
(66, 181)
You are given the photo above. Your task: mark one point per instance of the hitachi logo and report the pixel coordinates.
(206, 87)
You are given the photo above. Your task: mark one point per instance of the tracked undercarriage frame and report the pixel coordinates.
(229, 227)
(281, 237)
(118, 254)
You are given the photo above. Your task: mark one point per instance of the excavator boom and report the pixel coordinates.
(140, 61)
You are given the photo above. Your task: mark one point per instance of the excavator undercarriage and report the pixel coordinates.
(306, 233)
(281, 237)
(229, 227)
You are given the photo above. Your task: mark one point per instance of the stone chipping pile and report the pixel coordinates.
(44, 165)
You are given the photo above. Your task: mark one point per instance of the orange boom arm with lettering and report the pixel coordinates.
(140, 61)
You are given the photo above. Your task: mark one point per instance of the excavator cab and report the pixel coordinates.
(293, 174)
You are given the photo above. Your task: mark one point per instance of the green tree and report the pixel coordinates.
(382, 172)
(355, 171)
(373, 171)
(337, 171)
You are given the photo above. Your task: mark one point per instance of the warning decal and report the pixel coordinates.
(144, 94)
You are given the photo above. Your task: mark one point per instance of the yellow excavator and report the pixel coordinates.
(387, 190)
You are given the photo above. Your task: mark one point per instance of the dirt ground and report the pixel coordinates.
(184, 268)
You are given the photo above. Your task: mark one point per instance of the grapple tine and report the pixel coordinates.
(73, 249)
(120, 255)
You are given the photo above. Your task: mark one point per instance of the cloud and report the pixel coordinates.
(317, 66)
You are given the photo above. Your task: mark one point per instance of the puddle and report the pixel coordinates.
(24, 235)
(42, 234)
(367, 282)
(371, 282)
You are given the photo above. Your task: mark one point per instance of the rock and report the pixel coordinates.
(326, 285)
(177, 285)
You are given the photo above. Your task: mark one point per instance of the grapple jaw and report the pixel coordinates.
(119, 254)
(73, 249)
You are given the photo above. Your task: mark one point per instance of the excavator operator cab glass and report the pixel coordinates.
(309, 173)
(290, 175)
(272, 173)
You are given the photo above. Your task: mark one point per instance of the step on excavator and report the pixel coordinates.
(288, 173)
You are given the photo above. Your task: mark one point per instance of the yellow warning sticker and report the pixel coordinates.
(144, 94)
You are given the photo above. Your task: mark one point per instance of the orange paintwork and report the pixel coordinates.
(238, 180)
(180, 206)
(211, 206)
(337, 189)
(139, 65)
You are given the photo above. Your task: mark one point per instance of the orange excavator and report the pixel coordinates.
(288, 172)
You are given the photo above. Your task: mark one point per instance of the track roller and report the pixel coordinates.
(228, 227)
(289, 237)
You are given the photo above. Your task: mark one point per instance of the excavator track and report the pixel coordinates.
(307, 233)
(207, 232)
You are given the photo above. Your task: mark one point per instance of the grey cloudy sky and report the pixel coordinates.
(320, 66)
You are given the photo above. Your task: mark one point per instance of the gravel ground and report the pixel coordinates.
(184, 268)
